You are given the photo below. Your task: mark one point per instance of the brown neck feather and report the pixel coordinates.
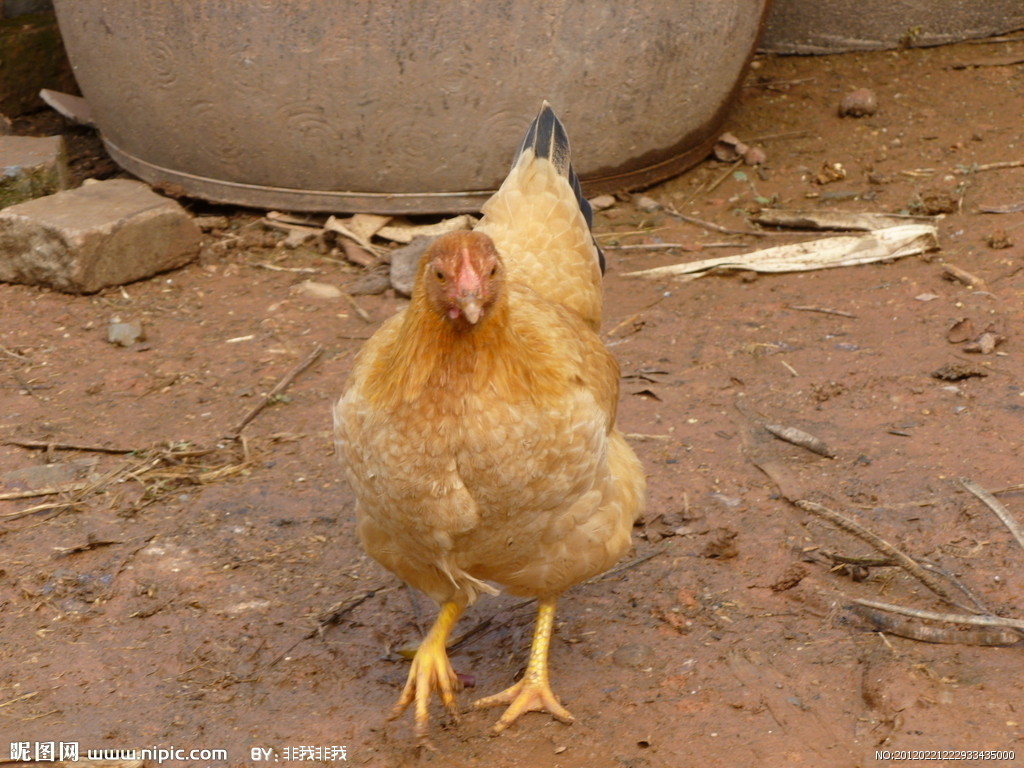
(434, 358)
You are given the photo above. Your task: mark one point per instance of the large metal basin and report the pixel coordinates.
(355, 105)
(833, 26)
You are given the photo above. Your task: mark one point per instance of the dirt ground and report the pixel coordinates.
(172, 594)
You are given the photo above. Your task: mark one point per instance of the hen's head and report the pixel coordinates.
(463, 276)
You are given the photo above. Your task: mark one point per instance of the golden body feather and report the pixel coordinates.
(491, 456)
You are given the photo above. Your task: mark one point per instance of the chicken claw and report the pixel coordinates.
(533, 693)
(431, 671)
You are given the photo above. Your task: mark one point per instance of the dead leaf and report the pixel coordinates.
(729, 149)
(829, 173)
(845, 251)
(401, 231)
(721, 545)
(357, 254)
(361, 228)
(800, 438)
(958, 372)
(366, 225)
(647, 393)
(793, 575)
(960, 331)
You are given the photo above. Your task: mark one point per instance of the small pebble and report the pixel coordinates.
(755, 156)
(320, 290)
(635, 655)
(647, 204)
(601, 202)
(859, 103)
(210, 223)
(125, 334)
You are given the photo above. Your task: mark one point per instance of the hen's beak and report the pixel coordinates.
(469, 303)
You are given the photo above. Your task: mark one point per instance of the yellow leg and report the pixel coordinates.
(533, 693)
(431, 671)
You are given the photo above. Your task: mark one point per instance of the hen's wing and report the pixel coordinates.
(540, 223)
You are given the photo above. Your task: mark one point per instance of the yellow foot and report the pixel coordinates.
(431, 671)
(525, 696)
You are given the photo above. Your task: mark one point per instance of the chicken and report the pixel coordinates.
(477, 428)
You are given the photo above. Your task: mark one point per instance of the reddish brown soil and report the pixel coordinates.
(173, 607)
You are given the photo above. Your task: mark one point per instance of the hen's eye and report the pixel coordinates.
(439, 275)
(494, 270)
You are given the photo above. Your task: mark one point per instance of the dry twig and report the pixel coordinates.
(50, 446)
(953, 272)
(332, 615)
(48, 491)
(906, 627)
(717, 227)
(951, 618)
(156, 469)
(6, 351)
(823, 310)
(996, 506)
(709, 188)
(990, 167)
(904, 561)
(280, 387)
(648, 247)
(363, 314)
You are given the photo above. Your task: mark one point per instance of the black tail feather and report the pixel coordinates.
(547, 138)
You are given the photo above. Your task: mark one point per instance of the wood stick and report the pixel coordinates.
(904, 561)
(333, 615)
(48, 446)
(1009, 488)
(280, 387)
(962, 276)
(823, 310)
(49, 491)
(996, 506)
(717, 182)
(6, 351)
(991, 167)
(906, 627)
(952, 618)
(718, 227)
(648, 247)
(363, 314)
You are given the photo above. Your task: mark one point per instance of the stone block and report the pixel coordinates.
(101, 234)
(31, 167)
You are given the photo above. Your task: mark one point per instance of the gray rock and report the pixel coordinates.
(370, 283)
(404, 263)
(125, 334)
(635, 655)
(101, 234)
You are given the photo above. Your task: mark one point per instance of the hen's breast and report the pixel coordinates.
(480, 490)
